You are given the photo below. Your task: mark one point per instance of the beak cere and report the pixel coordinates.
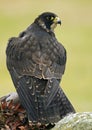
(57, 20)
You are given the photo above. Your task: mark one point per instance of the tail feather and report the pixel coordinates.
(51, 90)
(27, 100)
(57, 105)
(25, 96)
(44, 100)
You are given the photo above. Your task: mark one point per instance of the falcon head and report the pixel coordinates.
(48, 21)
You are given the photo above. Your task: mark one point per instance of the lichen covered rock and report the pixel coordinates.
(77, 121)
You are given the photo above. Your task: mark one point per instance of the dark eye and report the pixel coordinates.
(48, 18)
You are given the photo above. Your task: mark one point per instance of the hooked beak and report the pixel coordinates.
(57, 20)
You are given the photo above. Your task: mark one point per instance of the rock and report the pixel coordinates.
(77, 121)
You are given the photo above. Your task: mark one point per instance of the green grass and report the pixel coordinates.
(75, 34)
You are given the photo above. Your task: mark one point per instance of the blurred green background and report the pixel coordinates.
(75, 34)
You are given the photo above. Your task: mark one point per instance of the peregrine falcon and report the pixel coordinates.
(36, 62)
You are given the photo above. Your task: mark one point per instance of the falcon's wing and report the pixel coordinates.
(35, 56)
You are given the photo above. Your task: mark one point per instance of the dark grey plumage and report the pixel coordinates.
(36, 62)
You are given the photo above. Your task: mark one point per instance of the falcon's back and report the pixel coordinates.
(36, 53)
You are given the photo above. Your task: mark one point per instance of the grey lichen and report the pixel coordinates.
(77, 121)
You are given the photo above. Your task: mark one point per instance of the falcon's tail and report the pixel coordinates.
(57, 105)
(44, 100)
